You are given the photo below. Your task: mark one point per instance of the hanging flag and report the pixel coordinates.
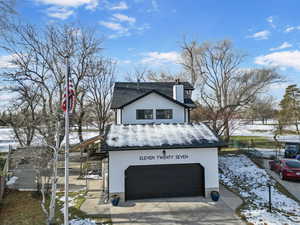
(71, 97)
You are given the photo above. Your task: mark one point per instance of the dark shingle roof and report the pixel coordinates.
(126, 92)
(157, 136)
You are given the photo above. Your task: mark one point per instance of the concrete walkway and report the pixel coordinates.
(170, 211)
(292, 186)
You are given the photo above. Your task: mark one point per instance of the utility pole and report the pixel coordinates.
(66, 209)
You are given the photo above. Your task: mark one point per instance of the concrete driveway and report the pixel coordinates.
(170, 211)
(292, 186)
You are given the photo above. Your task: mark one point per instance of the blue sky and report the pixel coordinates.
(147, 33)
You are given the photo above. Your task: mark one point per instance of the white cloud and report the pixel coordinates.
(270, 20)
(142, 28)
(59, 12)
(6, 61)
(279, 86)
(113, 26)
(261, 35)
(154, 6)
(282, 46)
(280, 59)
(120, 6)
(124, 61)
(90, 4)
(159, 58)
(123, 29)
(291, 28)
(123, 18)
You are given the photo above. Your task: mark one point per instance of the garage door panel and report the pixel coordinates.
(170, 180)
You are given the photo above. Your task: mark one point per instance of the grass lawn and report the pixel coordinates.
(20, 208)
(256, 141)
(23, 208)
(249, 138)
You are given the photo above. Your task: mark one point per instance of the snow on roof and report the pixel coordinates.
(157, 135)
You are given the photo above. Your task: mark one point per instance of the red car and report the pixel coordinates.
(287, 169)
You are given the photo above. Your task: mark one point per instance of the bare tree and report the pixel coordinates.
(262, 108)
(22, 115)
(7, 11)
(100, 87)
(138, 74)
(165, 77)
(40, 62)
(38, 77)
(223, 87)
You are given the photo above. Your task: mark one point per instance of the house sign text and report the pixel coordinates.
(163, 157)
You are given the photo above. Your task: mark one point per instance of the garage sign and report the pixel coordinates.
(163, 157)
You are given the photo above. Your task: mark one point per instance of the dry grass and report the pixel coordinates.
(20, 208)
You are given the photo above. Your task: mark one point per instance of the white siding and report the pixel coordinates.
(152, 101)
(119, 161)
(178, 92)
(119, 116)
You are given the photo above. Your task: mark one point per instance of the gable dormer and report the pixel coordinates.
(152, 102)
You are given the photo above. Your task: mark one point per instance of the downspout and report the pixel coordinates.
(121, 119)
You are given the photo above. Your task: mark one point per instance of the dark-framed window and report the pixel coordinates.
(144, 114)
(164, 114)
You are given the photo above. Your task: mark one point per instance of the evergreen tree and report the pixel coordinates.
(290, 107)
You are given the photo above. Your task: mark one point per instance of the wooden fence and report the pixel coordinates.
(2, 187)
(3, 175)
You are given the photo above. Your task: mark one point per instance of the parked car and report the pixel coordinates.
(291, 150)
(287, 169)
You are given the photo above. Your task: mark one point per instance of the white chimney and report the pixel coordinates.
(178, 92)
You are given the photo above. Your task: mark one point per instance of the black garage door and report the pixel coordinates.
(171, 180)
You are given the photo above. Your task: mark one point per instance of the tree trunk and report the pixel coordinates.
(54, 177)
(80, 120)
(227, 131)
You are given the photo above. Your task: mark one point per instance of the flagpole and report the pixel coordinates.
(66, 211)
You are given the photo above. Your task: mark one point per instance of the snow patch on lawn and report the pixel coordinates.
(82, 222)
(241, 174)
(93, 176)
(71, 203)
(12, 180)
(246, 128)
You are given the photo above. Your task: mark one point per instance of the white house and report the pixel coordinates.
(152, 102)
(153, 149)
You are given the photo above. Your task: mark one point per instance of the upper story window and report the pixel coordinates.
(164, 114)
(144, 114)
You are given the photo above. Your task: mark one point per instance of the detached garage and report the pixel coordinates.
(161, 160)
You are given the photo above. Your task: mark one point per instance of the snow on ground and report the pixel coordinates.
(12, 180)
(7, 138)
(269, 152)
(92, 176)
(71, 202)
(246, 128)
(241, 174)
(82, 222)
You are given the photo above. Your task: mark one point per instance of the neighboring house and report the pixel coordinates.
(153, 149)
